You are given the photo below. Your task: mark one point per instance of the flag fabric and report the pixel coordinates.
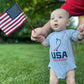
(11, 19)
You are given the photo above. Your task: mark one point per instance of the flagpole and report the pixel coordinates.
(25, 16)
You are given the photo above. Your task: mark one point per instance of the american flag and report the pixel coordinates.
(11, 19)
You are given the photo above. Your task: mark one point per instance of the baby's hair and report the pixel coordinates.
(67, 13)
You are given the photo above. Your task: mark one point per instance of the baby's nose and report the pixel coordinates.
(55, 20)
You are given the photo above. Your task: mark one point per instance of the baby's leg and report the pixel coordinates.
(53, 77)
(70, 77)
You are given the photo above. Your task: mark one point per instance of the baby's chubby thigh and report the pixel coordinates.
(53, 77)
(70, 77)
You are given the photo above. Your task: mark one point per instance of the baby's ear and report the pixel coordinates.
(68, 22)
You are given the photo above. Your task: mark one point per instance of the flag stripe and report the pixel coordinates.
(9, 23)
(5, 21)
(8, 33)
(5, 24)
(13, 24)
(4, 17)
(2, 14)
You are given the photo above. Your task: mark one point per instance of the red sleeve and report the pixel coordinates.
(74, 7)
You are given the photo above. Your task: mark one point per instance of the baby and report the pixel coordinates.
(62, 64)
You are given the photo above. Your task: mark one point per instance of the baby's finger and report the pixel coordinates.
(80, 28)
(33, 38)
(34, 34)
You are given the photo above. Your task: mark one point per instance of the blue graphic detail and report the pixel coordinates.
(58, 43)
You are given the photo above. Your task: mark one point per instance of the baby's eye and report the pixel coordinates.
(60, 17)
(52, 18)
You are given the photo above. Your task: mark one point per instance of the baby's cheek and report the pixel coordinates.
(51, 26)
(51, 23)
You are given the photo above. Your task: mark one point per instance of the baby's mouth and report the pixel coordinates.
(56, 25)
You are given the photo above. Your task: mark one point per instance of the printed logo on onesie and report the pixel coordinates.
(56, 54)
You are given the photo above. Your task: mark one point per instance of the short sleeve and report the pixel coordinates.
(48, 39)
(73, 34)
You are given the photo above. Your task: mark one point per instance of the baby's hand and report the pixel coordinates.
(81, 35)
(41, 38)
(36, 34)
(81, 26)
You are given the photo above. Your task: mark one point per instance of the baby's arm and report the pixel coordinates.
(81, 35)
(43, 41)
(81, 29)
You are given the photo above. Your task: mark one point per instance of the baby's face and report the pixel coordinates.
(59, 20)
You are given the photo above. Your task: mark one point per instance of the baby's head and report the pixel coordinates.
(59, 19)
